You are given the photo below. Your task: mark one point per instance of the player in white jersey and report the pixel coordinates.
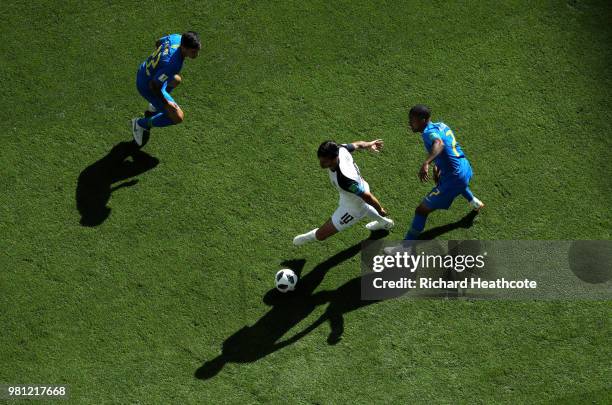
(356, 200)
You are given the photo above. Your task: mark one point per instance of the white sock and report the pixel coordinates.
(372, 213)
(305, 237)
(475, 203)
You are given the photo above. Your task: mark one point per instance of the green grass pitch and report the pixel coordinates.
(128, 310)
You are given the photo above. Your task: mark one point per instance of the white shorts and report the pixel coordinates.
(350, 210)
(347, 215)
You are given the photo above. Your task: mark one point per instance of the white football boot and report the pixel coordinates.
(476, 204)
(305, 238)
(137, 132)
(300, 240)
(379, 225)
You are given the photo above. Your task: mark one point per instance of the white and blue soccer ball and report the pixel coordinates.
(285, 280)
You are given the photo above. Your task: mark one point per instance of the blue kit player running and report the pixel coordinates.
(452, 171)
(158, 76)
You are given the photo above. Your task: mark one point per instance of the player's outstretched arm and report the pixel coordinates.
(369, 198)
(374, 146)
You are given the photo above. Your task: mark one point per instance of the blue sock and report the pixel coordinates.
(467, 194)
(418, 224)
(143, 123)
(159, 120)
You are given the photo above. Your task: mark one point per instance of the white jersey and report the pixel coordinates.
(347, 179)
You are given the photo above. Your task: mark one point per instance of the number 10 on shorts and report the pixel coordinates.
(346, 218)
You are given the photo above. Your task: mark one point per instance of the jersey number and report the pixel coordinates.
(454, 143)
(346, 218)
(153, 60)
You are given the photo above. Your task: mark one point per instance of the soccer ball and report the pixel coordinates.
(285, 280)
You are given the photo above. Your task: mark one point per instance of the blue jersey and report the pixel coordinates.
(164, 63)
(451, 161)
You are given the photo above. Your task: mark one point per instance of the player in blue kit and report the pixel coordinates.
(452, 171)
(158, 76)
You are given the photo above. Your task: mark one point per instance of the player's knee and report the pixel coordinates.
(176, 80)
(422, 209)
(179, 116)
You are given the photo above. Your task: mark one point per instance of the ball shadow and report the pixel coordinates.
(254, 342)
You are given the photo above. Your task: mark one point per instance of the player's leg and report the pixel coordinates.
(318, 234)
(175, 112)
(170, 115)
(418, 221)
(416, 227)
(440, 197)
(474, 202)
(142, 126)
(140, 133)
(158, 118)
(342, 218)
(326, 230)
(165, 115)
(467, 194)
(172, 84)
(379, 222)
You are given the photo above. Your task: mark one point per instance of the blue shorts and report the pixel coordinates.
(442, 196)
(143, 88)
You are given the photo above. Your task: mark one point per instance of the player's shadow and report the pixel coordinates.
(466, 222)
(96, 182)
(252, 343)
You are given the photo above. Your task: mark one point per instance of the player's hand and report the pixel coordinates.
(376, 146)
(382, 212)
(424, 172)
(436, 174)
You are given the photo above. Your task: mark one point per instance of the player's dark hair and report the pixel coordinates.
(328, 149)
(191, 40)
(420, 111)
